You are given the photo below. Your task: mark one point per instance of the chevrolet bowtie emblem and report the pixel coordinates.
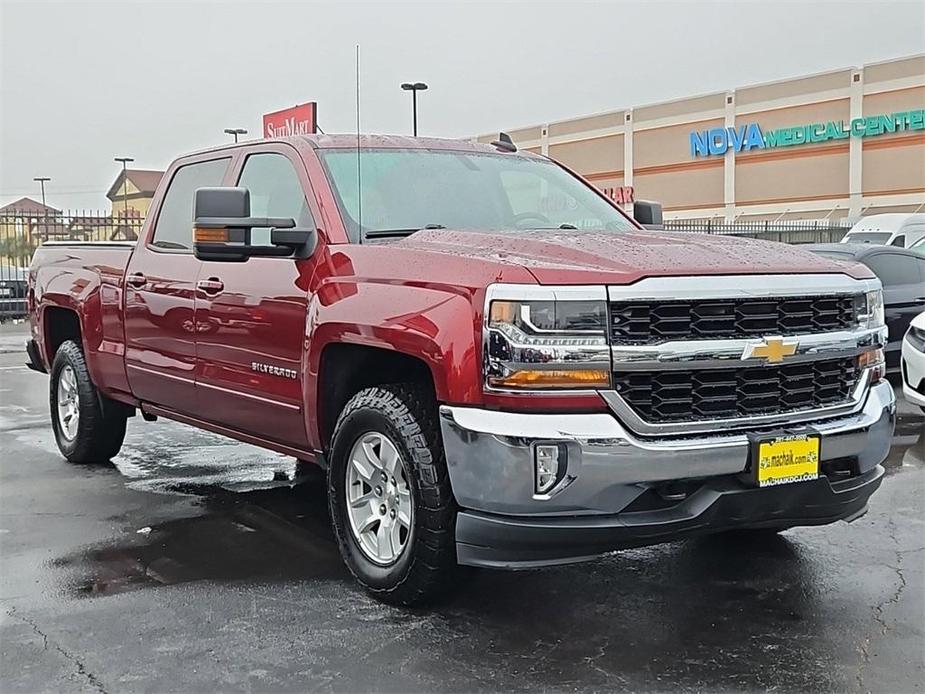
(772, 349)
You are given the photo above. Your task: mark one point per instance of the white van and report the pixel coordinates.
(892, 229)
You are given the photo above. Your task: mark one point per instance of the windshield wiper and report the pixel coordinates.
(399, 233)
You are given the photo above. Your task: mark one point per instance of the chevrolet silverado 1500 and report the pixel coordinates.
(493, 363)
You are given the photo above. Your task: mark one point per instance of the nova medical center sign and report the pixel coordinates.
(744, 138)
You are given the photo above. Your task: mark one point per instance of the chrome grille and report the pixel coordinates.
(646, 322)
(686, 395)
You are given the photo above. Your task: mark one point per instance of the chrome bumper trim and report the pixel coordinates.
(490, 455)
(723, 354)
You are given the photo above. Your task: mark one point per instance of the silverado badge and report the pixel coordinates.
(772, 349)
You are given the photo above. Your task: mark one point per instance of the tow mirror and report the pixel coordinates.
(222, 226)
(648, 214)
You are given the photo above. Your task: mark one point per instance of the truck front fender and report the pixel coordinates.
(434, 325)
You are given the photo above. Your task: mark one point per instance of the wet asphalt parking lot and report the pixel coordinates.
(193, 564)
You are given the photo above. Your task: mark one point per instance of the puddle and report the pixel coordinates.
(170, 458)
(272, 535)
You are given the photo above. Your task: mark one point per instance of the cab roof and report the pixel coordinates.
(349, 141)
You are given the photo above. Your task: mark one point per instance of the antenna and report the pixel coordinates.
(359, 174)
(504, 142)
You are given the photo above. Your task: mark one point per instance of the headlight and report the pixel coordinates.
(547, 345)
(870, 310)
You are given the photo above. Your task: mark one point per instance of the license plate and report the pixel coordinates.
(6, 291)
(786, 459)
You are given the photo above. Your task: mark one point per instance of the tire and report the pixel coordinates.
(100, 429)
(425, 568)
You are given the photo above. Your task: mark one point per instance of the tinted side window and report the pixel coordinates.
(894, 269)
(275, 192)
(174, 227)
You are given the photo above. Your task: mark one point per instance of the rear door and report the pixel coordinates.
(160, 344)
(251, 315)
(903, 278)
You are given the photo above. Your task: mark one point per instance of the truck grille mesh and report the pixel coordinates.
(676, 396)
(642, 322)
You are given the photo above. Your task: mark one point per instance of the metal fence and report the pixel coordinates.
(21, 232)
(804, 231)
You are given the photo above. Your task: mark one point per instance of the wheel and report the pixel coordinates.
(86, 431)
(389, 494)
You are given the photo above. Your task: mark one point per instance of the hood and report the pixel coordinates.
(577, 257)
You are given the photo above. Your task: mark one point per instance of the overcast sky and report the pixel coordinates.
(83, 82)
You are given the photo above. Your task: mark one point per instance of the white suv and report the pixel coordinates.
(913, 362)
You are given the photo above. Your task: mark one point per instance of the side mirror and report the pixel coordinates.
(648, 214)
(222, 228)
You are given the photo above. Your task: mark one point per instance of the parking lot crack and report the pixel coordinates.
(880, 608)
(47, 644)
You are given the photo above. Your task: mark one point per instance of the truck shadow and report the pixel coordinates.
(282, 534)
(720, 607)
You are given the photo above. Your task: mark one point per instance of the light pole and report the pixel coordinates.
(236, 132)
(414, 88)
(125, 161)
(41, 181)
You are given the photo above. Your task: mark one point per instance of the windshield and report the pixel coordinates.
(407, 190)
(868, 237)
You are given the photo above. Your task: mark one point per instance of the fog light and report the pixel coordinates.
(549, 461)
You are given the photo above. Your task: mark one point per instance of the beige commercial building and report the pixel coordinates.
(839, 144)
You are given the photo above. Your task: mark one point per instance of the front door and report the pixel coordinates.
(903, 278)
(251, 316)
(160, 282)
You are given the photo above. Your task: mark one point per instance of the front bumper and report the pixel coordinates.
(494, 541)
(490, 461)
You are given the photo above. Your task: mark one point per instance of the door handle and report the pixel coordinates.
(213, 285)
(137, 280)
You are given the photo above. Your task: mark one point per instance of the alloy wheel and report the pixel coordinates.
(379, 505)
(68, 403)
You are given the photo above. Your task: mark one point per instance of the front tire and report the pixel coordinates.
(389, 493)
(85, 430)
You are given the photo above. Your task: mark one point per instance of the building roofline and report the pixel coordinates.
(692, 97)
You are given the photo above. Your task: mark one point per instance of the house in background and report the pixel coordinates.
(23, 224)
(26, 216)
(136, 189)
(27, 208)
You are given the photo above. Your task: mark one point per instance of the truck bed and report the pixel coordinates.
(86, 277)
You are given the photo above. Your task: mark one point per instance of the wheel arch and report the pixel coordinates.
(346, 368)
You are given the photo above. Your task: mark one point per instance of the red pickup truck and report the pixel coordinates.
(494, 364)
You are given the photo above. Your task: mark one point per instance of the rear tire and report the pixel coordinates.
(420, 565)
(88, 428)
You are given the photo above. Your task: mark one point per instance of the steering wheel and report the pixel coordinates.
(523, 216)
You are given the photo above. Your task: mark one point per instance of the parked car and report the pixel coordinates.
(913, 362)
(13, 282)
(890, 229)
(902, 272)
(495, 365)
